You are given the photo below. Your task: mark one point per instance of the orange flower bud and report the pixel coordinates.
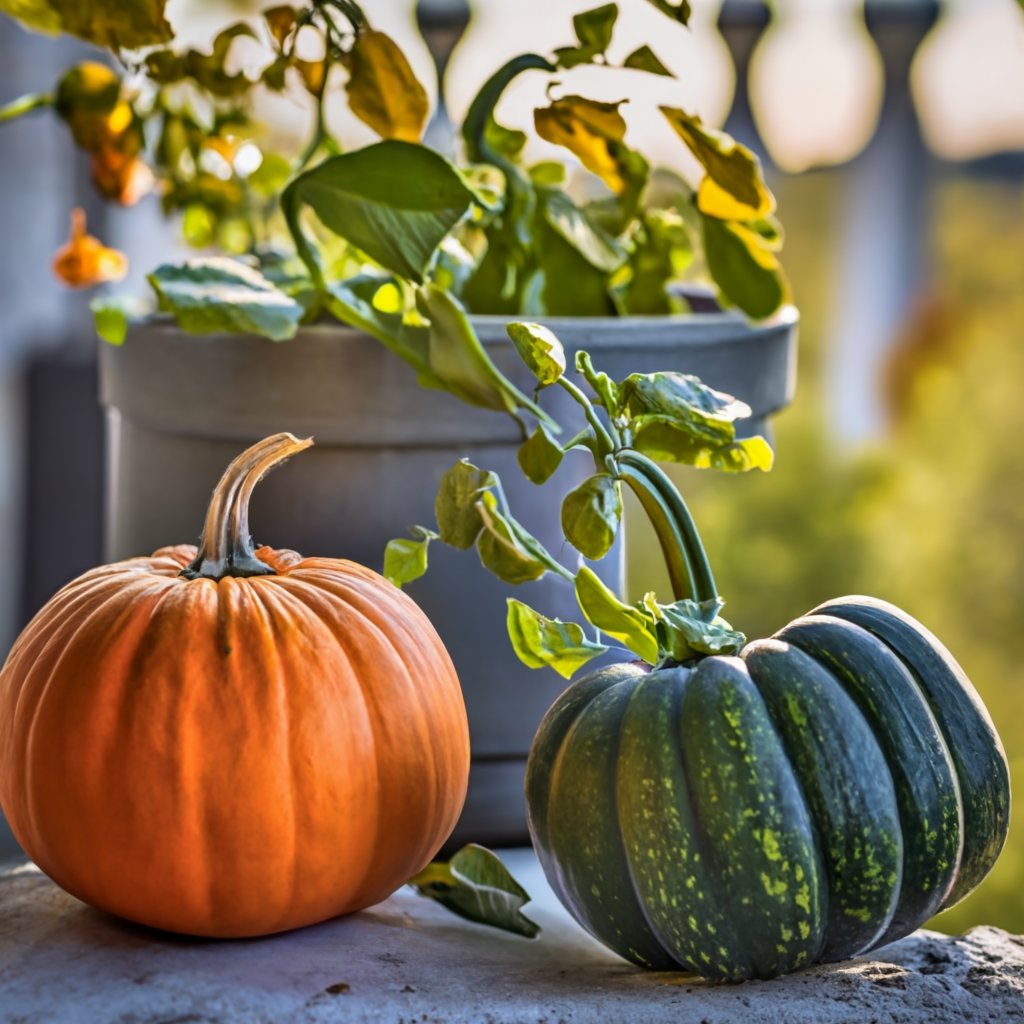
(85, 261)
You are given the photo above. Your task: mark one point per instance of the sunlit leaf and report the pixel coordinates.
(455, 507)
(594, 132)
(591, 514)
(645, 59)
(734, 188)
(539, 455)
(382, 89)
(84, 261)
(405, 558)
(207, 296)
(635, 627)
(476, 885)
(684, 400)
(539, 349)
(594, 27)
(540, 642)
(677, 10)
(744, 267)
(665, 440)
(112, 315)
(687, 629)
(394, 200)
(128, 24)
(501, 546)
(597, 247)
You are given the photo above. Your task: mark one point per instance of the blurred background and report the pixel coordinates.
(892, 133)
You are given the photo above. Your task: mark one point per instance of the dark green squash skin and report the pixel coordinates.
(970, 735)
(745, 817)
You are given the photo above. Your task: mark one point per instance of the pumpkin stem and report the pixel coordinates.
(226, 548)
(687, 561)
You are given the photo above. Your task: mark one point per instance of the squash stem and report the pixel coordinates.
(687, 561)
(226, 548)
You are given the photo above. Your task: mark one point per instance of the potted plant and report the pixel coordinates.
(356, 257)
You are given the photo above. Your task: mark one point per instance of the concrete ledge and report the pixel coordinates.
(408, 960)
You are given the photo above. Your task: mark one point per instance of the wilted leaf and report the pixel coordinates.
(744, 267)
(207, 296)
(645, 59)
(383, 91)
(504, 546)
(539, 349)
(540, 642)
(591, 515)
(635, 627)
(677, 10)
(393, 200)
(476, 885)
(734, 188)
(405, 558)
(84, 261)
(594, 132)
(455, 507)
(684, 400)
(539, 455)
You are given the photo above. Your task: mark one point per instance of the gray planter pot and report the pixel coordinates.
(180, 407)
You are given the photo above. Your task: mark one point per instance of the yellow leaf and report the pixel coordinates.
(734, 188)
(382, 90)
(592, 131)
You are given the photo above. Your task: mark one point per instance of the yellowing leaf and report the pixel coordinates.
(736, 190)
(37, 15)
(382, 90)
(85, 261)
(127, 24)
(744, 267)
(540, 642)
(594, 132)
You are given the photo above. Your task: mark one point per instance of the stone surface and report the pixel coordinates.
(408, 961)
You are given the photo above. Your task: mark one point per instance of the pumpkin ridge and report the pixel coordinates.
(856, 659)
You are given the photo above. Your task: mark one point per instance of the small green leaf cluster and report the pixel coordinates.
(628, 424)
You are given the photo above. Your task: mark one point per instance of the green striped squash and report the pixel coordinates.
(822, 794)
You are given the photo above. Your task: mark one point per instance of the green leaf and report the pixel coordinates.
(645, 59)
(207, 296)
(734, 188)
(507, 142)
(594, 244)
(744, 268)
(594, 27)
(591, 515)
(128, 24)
(540, 642)
(405, 558)
(539, 349)
(662, 251)
(539, 455)
(459, 361)
(476, 885)
(112, 314)
(394, 200)
(501, 546)
(687, 628)
(683, 400)
(455, 507)
(635, 627)
(569, 57)
(25, 105)
(661, 439)
(677, 10)
(383, 91)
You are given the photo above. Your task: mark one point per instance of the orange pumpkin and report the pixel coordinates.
(234, 741)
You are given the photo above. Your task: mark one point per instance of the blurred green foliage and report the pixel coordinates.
(931, 517)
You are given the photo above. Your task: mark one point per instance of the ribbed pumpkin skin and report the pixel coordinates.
(823, 794)
(235, 757)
